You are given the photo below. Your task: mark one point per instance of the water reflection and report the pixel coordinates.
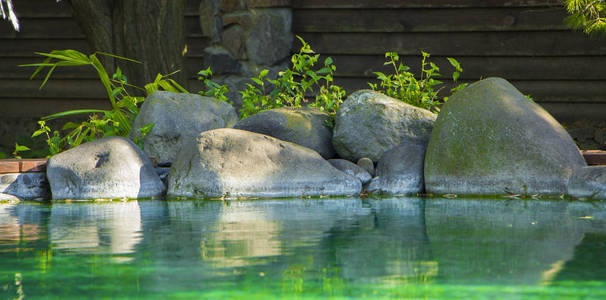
(295, 243)
(110, 228)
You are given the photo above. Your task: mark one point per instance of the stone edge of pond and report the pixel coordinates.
(32, 166)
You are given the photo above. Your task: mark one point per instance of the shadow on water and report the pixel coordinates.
(332, 245)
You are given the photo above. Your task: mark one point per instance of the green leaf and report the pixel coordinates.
(263, 73)
(72, 112)
(257, 81)
(19, 148)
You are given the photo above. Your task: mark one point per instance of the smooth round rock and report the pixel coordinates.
(111, 167)
(490, 139)
(177, 117)
(351, 169)
(367, 164)
(588, 182)
(236, 163)
(400, 170)
(369, 123)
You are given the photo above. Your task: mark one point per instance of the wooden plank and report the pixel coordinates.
(39, 107)
(594, 157)
(9, 166)
(32, 165)
(566, 92)
(42, 9)
(10, 69)
(43, 28)
(474, 67)
(428, 20)
(54, 88)
(421, 3)
(532, 43)
(570, 112)
(28, 47)
(22, 165)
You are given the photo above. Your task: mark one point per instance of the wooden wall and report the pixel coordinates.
(45, 26)
(524, 41)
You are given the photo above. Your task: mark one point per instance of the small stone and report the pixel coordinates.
(367, 164)
(351, 169)
(270, 39)
(400, 170)
(303, 126)
(210, 22)
(220, 61)
(243, 19)
(232, 5)
(234, 40)
(26, 186)
(588, 182)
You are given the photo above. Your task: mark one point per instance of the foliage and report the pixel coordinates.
(422, 92)
(18, 149)
(588, 15)
(101, 123)
(293, 85)
(211, 88)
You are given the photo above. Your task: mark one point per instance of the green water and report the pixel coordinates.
(403, 248)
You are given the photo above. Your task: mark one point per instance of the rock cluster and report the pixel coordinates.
(487, 140)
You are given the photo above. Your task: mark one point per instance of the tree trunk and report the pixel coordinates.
(150, 31)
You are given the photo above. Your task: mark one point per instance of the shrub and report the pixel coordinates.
(101, 123)
(294, 84)
(422, 92)
(588, 15)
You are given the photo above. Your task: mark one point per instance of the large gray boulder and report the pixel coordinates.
(177, 117)
(369, 123)
(27, 186)
(400, 170)
(490, 139)
(110, 167)
(238, 163)
(303, 126)
(588, 182)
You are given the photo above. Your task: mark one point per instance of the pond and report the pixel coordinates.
(428, 248)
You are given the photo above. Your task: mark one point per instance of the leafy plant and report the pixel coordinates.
(422, 92)
(587, 15)
(18, 149)
(293, 85)
(101, 123)
(211, 88)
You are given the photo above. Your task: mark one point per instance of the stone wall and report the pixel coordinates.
(246, 36)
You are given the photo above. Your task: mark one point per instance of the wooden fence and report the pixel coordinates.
(524, 41)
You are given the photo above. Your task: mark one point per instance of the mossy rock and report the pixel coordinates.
(369, 124)
(303, 126)
(490, 139)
